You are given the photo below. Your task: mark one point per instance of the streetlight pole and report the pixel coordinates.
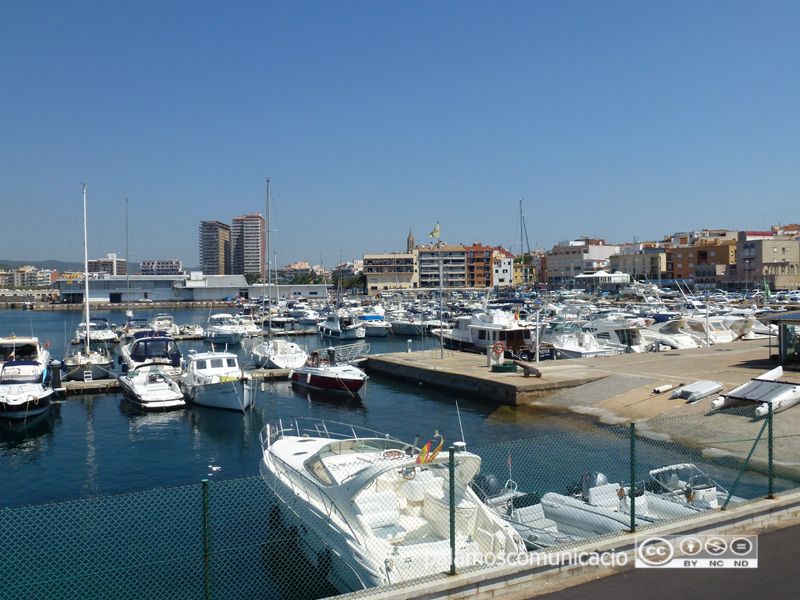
(708, 330)
(538, 306)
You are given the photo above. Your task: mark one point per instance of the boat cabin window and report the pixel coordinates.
(627, 336)
(216, 363)
(697, 327)
(200, 364)
(231, 362)
(20, 352)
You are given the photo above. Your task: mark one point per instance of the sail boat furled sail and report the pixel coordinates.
(275, 352)
(86, 363)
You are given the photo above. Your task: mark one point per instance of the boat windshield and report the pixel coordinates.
(341, 459)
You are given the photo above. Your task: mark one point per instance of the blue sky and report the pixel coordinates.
(610, 119)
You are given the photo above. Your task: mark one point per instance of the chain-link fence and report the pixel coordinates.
(335, 514)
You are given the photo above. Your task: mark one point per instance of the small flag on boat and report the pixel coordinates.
(435, 232)
(509, 459)
(766, 287)
(427, 455)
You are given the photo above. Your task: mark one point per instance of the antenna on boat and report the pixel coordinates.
(458, 412)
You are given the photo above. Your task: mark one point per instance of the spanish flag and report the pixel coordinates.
(435, 232)
(427, 455)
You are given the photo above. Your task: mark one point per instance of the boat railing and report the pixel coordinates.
(312, 427)
(313, 494)
(349, 353)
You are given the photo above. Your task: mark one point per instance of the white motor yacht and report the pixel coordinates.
(222, 329)
(623, 335)
(100, 332)
(15, 347)
(165, 323)
(151, 388)
(341, 325)
(570, 340)
(150, 347)
(278, 353)
(375, 510)
(490, 329)
(23, 393)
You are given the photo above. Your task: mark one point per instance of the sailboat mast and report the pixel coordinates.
(85, 273)
(268, 256)
(522, 243)
(127, 258)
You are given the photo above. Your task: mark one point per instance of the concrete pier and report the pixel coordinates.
(617, 388)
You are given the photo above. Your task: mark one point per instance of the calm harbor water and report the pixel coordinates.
(97, 444)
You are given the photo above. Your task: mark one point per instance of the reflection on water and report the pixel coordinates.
(19, 437)
(344, 401)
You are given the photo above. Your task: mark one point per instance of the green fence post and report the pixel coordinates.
(744, 465)
(452, 511)
(206, 552)
(632, 493)
(769, 452)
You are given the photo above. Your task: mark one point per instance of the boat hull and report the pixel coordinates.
(160, 402)
(330, 382)
(223, 337)
(18, 403)
(343, 334)
(226, 395)
(79, 372)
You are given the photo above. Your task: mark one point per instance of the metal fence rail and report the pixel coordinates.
(232, 539)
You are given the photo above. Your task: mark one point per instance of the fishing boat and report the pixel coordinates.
(328, 374)
(763, 391)
(214, 379)
(23, 392)
(151, 388)
(373, 510)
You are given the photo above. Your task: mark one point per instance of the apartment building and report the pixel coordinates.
(215, 248)
(248, 243)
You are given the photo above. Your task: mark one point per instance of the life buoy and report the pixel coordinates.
(499, 347)
(410, 320)
(392, 453)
